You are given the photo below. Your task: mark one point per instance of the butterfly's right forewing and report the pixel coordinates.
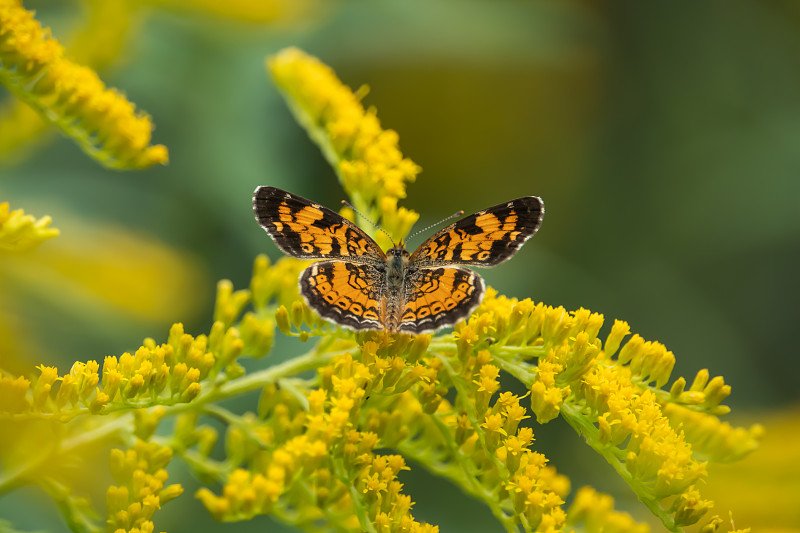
(485, 238)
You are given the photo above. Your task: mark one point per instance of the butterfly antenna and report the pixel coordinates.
(454, 215)
(357, 212)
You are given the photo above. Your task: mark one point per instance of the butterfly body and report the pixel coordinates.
(396, 267)
(360, 287)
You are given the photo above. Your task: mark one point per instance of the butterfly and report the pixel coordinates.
(358, 286)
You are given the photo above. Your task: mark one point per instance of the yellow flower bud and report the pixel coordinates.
(282, 320)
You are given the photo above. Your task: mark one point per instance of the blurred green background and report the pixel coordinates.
(664, 138)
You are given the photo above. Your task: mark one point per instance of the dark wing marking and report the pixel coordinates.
(310, 231)
(345, 293)
(439, 297)
(485, 238)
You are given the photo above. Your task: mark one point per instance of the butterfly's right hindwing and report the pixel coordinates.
(310, 231)
(437, 297)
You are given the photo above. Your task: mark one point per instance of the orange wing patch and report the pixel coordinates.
(438, 297)
(345, 293)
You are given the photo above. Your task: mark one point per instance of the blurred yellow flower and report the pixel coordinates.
(94, 271)
(140, 476)
(98, 41)
(71, 96)
(96, 44)
(596, 512)
(19, 231)
(763, 490)
(108, 267)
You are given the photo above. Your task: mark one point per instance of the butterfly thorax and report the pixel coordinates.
(396, 266)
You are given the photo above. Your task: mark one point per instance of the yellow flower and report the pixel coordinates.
(617, 402)
(140, 490)
(169, 372)
(19, 231)
(102, 270)
(366, 157)
(546, 397)
(97, 43)
(327, 436)
(275, 281)
(71, 96)
(13, 394)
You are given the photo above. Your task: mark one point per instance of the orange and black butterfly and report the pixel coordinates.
(358, 286)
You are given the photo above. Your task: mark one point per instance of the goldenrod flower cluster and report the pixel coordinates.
(372, 397)
(366, 157)
(95, 44)
(310, 452)
(316, 456)
(616, 404)
(480, 442)
(162, 374)
(167, 378)
(19, 231)
(140, 475)
(33, 66)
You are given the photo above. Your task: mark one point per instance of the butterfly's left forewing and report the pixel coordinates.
(310, 231)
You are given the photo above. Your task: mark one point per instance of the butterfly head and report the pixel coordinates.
(397, 251)
(397, 254)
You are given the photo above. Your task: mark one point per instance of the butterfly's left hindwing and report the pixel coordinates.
(310, 231)
(346, 293)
